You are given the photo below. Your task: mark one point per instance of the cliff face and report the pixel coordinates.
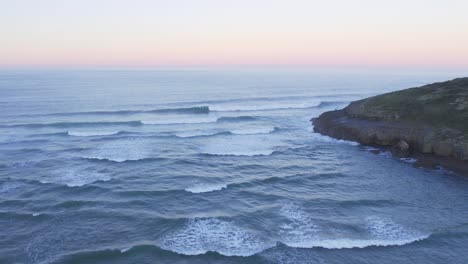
(432, 119)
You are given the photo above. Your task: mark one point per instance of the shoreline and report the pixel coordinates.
(337, 129)
(427, 123)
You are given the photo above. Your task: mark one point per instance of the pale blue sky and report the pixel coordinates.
(184, 32)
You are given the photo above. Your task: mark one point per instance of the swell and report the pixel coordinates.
(17, 216)
(185, 110)
(236, 118)
(135, 123)
(181, 110)
(259, 131)
(104, 159)
(130, 252)
(144, 249)
(74, 124)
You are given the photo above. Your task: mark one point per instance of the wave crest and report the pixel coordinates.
(92, 133)
(204, 188)
(200, 236)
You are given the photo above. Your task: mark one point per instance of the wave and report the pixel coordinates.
(15, 216)
(366, 202)
(242, 145)
(301, 232)
(191, 134)
(178, 121)
(327, 139)
(269, 105)
(204, 188)
(347, 243)
(332, 103)
(235, 118)
(50, 134)
(76, 124)
(299, 225)
(181, 110)
(247, 153)
(245, 131)
(203, 120)
(257, 106)
(201, 235)
(207, 236)
(92, 133)
(135, 123)
(120, 160)
(136, 251)
(409, 160)
(72, 178)
(254, 131)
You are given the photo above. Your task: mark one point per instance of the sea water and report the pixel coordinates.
(212, 166)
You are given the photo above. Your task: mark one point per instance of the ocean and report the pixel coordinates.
(212, 166)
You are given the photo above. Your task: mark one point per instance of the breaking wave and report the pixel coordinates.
(74, 178)
(301, 231)
(207, 187)
(200, 236)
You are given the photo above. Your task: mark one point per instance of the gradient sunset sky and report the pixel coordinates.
(234, 32)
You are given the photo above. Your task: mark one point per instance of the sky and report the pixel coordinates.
(420, 33)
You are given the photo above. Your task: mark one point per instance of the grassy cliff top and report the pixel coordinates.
(441, 105)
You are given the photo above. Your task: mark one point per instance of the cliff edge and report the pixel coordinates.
(432, 119)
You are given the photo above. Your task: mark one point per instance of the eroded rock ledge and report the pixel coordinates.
(432, 119)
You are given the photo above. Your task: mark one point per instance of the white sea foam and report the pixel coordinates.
(346, 243)
(91, 133)
(301, 232)
(393, 233)
(250, 153)
(199, 236)
(409, 160)
(327, 139)
(74, 178)
(298, 227)
(123, 250)
(121, 151)
(203, 188)
(387, 154)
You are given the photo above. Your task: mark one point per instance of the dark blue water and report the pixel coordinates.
(212, 166)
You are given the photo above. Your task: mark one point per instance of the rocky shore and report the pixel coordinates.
(430, 122)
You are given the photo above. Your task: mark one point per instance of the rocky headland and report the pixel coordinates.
(428, 122)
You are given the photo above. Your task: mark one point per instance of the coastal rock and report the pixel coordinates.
(443, 148)
(402, 149)
(431, 119)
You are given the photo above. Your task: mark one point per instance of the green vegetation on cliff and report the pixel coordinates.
(440, 105)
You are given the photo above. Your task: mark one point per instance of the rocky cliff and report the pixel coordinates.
(431, 119)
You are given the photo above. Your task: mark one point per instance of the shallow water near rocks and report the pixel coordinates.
(212, 166)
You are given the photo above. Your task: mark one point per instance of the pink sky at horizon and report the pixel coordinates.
(257, 32)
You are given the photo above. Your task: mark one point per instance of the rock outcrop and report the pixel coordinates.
(432, 119)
